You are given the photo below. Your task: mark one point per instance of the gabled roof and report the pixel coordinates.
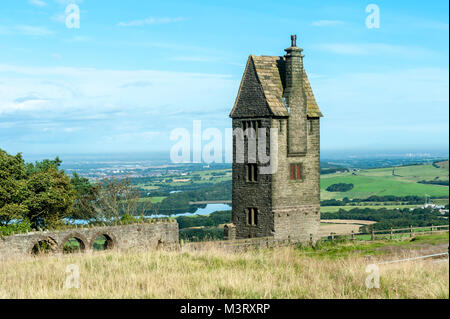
(269, 71)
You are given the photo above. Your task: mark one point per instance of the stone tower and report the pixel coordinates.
(275, 94)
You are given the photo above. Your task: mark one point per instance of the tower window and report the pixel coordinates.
(254, 125)
(296, 171)
(252, 216)
(252, 172)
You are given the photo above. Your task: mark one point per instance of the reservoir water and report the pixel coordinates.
(208, 209)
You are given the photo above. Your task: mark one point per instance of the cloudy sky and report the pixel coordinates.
(135, 70)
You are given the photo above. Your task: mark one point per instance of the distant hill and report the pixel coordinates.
(442, 164)
(329, 168)
(407, 180)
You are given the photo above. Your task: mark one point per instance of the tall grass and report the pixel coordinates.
(285, 272)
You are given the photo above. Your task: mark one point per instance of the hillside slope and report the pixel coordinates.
(397, 181)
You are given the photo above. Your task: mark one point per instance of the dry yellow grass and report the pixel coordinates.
(279, 273)
(341, 226)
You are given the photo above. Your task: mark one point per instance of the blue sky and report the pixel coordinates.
(135, 70)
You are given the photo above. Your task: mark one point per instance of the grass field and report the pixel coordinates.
(333, 209)
(153, 200)
(197, 177)
(381, 181)
(327, 271)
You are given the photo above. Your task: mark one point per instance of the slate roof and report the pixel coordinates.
(269, 70)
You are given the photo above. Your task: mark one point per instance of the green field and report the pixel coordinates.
(332, 209)
(153, 200)
(381, 181)
(197, 177)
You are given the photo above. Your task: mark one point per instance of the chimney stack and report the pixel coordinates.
(295, 99)
(293, 40)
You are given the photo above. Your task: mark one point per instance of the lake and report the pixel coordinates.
(208, 209)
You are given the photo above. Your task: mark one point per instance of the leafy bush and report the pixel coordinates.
(340, 187)
(16, 228)
(443, 183)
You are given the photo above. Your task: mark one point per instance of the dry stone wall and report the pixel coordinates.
(154, 235)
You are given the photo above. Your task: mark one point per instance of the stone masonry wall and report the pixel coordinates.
(296, 203)
(161, 234)
(252, 194)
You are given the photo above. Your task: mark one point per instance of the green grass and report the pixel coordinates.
(205, 176)
(153, 200)
(147, 187)
(345, 248)
(381, 182)
(333, 209)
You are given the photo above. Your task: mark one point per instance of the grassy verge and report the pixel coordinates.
(287, 272)
(345, 248)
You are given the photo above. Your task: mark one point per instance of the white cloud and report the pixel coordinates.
(149, 21)
(384, 109)
(66, 2)
(56, 56)
(78, 38)
(67, 108)
(373, 49)
(37, 3)
(327, 23)
(25, 30)
(59, 17)
(389, 97)
(89, 91)
(193, 59)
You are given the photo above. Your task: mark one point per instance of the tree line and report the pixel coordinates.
(395, 218)
(41, 195)
(407, 200)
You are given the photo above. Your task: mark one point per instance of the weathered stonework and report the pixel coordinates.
(160, 234)
(275, 94)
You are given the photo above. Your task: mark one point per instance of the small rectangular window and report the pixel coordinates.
(252, 216)
(252, 172)
(252, 126)
(296, 171)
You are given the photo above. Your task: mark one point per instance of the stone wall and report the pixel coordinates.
(239, 245)
(299, 223)
(296, 203)
(252, 194)
(158, 234)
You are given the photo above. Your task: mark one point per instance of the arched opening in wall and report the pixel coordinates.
(103, 242)
(73, 245)
(44, 246)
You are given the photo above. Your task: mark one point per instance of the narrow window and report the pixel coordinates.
(311, 127)
(252, 216)
(258, 126)
(296, 171)
(255, 217)
(252, 172)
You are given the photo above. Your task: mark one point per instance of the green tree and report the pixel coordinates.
(86, 193)
(51, 197)
(13, 188)
(43, 165)
(111, 199)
